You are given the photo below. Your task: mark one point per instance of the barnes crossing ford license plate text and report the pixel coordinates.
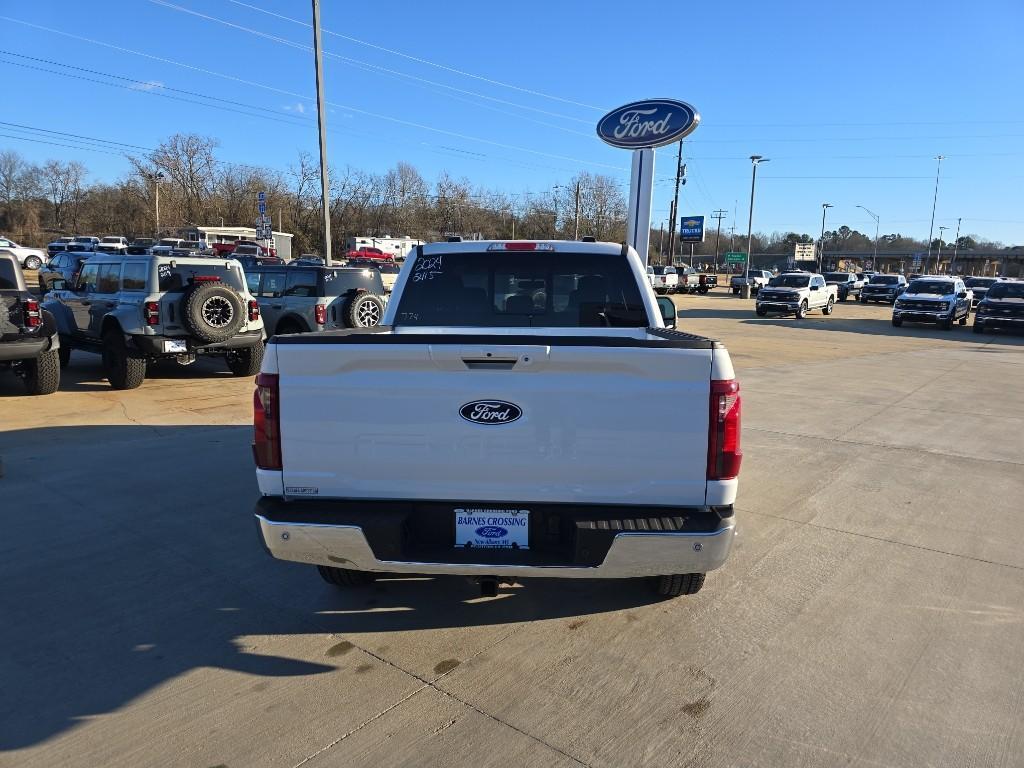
(493, 528)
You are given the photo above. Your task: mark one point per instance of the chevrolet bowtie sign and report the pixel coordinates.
(691, 229)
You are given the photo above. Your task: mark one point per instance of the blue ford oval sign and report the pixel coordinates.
(491, 532)
(648, 123)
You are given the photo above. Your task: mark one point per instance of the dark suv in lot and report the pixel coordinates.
(1002, 307)
(299, 299)
(29, 344)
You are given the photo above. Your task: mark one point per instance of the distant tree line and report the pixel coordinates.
(40, 202)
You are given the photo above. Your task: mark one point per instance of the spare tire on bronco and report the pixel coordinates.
(212, 311)
(364, 310)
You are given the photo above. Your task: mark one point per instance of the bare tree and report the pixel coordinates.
(62, 183)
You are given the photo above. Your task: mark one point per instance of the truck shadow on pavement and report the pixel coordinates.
(131, 560)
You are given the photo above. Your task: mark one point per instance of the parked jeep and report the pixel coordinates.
(29, 345)
(134, 310)
(310, 298)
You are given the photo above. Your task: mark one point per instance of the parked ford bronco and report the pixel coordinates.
(29, 344)
(302, 299)
(134, 310)
(479, 431)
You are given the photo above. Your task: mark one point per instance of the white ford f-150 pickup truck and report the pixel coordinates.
(498, 425)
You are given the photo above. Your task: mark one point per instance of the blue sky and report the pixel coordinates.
(850, 101)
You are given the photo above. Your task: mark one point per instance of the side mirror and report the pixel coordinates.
(57, 284)
(962, 294)
(668, 311)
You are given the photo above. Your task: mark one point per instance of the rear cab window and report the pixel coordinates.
(341, 282)
(521, 289)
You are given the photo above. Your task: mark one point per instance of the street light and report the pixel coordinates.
(874, 257)
(938, 256)
(935, 200)
(821, 245)
(755, 160)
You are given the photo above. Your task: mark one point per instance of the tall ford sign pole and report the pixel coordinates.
(321, 119)
(643, 126)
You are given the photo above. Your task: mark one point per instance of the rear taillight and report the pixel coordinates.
(266, 420)
(33, 317)
(254, 310)
(724, 454)
(151, 311)
(321, 314)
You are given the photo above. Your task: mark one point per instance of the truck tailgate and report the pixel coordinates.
(383, 421)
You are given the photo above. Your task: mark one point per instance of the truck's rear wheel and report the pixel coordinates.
(42, 375)
(345, 577)
(245, 361)
(676, 584)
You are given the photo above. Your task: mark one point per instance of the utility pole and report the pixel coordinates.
(718, 215)
(321, 119)
(661, 241)
(671, 234)
(935, 200)
(675, 207)
(956, 248)
(576, 235)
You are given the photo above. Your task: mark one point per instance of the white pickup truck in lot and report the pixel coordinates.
(498, 426)
(796, 293)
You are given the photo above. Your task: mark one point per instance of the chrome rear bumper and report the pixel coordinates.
(632, 554)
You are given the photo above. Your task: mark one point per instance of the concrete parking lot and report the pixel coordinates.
(872, 613)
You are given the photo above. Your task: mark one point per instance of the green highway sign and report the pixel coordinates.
(735, 258)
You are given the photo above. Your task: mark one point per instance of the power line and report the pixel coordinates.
(263, 115)
(358, 63)
(419, 60)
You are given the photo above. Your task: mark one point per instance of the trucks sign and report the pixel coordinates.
(648, 124)
(691, 229)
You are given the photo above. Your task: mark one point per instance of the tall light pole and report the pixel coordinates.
(874, 257)
(321, 119)
(956, 247)
(821, 244)
(935, 200)
(755, 160)
(938, 256)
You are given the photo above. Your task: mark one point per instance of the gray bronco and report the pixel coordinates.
(135, 310)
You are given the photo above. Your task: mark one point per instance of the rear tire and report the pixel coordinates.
(676, 584)
(365, 310)
(64, 353)
(33, 262)
(42, 375)
(245, 361)
(345, 577)
(123, 371)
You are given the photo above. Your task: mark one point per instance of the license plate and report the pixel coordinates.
(492, 528)
(175, 345)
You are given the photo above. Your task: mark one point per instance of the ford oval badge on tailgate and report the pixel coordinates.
(490, 412)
